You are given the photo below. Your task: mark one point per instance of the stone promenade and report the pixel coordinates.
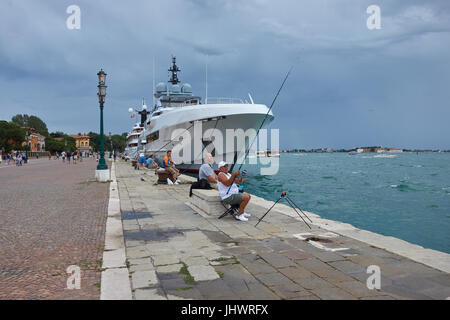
(52, 215)
(174, 251)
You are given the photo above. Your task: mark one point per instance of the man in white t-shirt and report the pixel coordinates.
(232, 196)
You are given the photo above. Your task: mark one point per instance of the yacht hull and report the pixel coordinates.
(226, 131)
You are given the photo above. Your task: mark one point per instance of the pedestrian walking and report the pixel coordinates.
(9, 158)
(49, 155)
(19, 160)
(63, 155)
(69, 155)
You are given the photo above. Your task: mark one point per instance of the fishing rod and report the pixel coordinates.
(257, 132)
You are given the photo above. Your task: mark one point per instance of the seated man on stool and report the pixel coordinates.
(233, 197)
(170, 167)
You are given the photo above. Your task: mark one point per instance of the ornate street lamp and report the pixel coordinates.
(110, 153)
(102, 172)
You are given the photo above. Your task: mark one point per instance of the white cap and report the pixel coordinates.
(222, 164)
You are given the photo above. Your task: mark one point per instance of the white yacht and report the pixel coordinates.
(178, 108)
(132, 142)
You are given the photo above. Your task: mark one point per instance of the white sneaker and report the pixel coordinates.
(240, 217)
(169, 181)
(177, 182)
(247, 214)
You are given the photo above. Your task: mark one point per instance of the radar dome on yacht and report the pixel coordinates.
(130, 110)
(161, 87)
(186, 88)
(144, 107)
(176, 88)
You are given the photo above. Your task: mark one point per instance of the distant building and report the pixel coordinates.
(34, 140)
(82, 142)
(394, 150)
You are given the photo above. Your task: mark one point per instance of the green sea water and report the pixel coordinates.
(407, 197)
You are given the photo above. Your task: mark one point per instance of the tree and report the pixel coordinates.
(94, 141)
(71, 144)
(11, 136)
(118, 141)
(53, 145)
(30, 121)
(57, 134)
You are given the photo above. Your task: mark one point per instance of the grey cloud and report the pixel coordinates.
(342, 70)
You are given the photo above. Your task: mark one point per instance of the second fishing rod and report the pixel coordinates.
(257, 132)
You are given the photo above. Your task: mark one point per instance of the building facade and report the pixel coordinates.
(82, 142)
(35, 142)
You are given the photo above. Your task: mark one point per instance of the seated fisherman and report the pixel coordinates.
(206, 172)
(233, 197)
(169, 164)
(206, 175)
(150, 163)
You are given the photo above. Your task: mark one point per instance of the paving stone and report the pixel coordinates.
(332, 294)
(137, 253)
(203, 273)
(312, 282)
(335, 277)
(440, 293)
(184, 293)
(328, 256)
(216, 289)
(273, 279)
(173, 283)
(134, 243)
(149, 294)
(169, 268)
(296, 254)
(307, 297)
(258, 291)
(295, 272)
(196, 261)
(269, 228)
(347, 267)
(258, 267)
(161, 260)
(357, 289)
(277, 260)
(141, 267)
(143, 279)
(405, 293)
(290, 292)
(139, 261)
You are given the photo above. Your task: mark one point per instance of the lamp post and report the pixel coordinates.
(102, 172)
(110, 153)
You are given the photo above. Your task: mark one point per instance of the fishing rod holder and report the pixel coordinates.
(292, 204)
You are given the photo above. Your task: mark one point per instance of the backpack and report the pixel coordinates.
(200, 184)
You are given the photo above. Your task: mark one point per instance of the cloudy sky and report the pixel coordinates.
(351, 86)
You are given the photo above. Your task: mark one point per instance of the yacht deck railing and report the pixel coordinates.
(221, 100)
